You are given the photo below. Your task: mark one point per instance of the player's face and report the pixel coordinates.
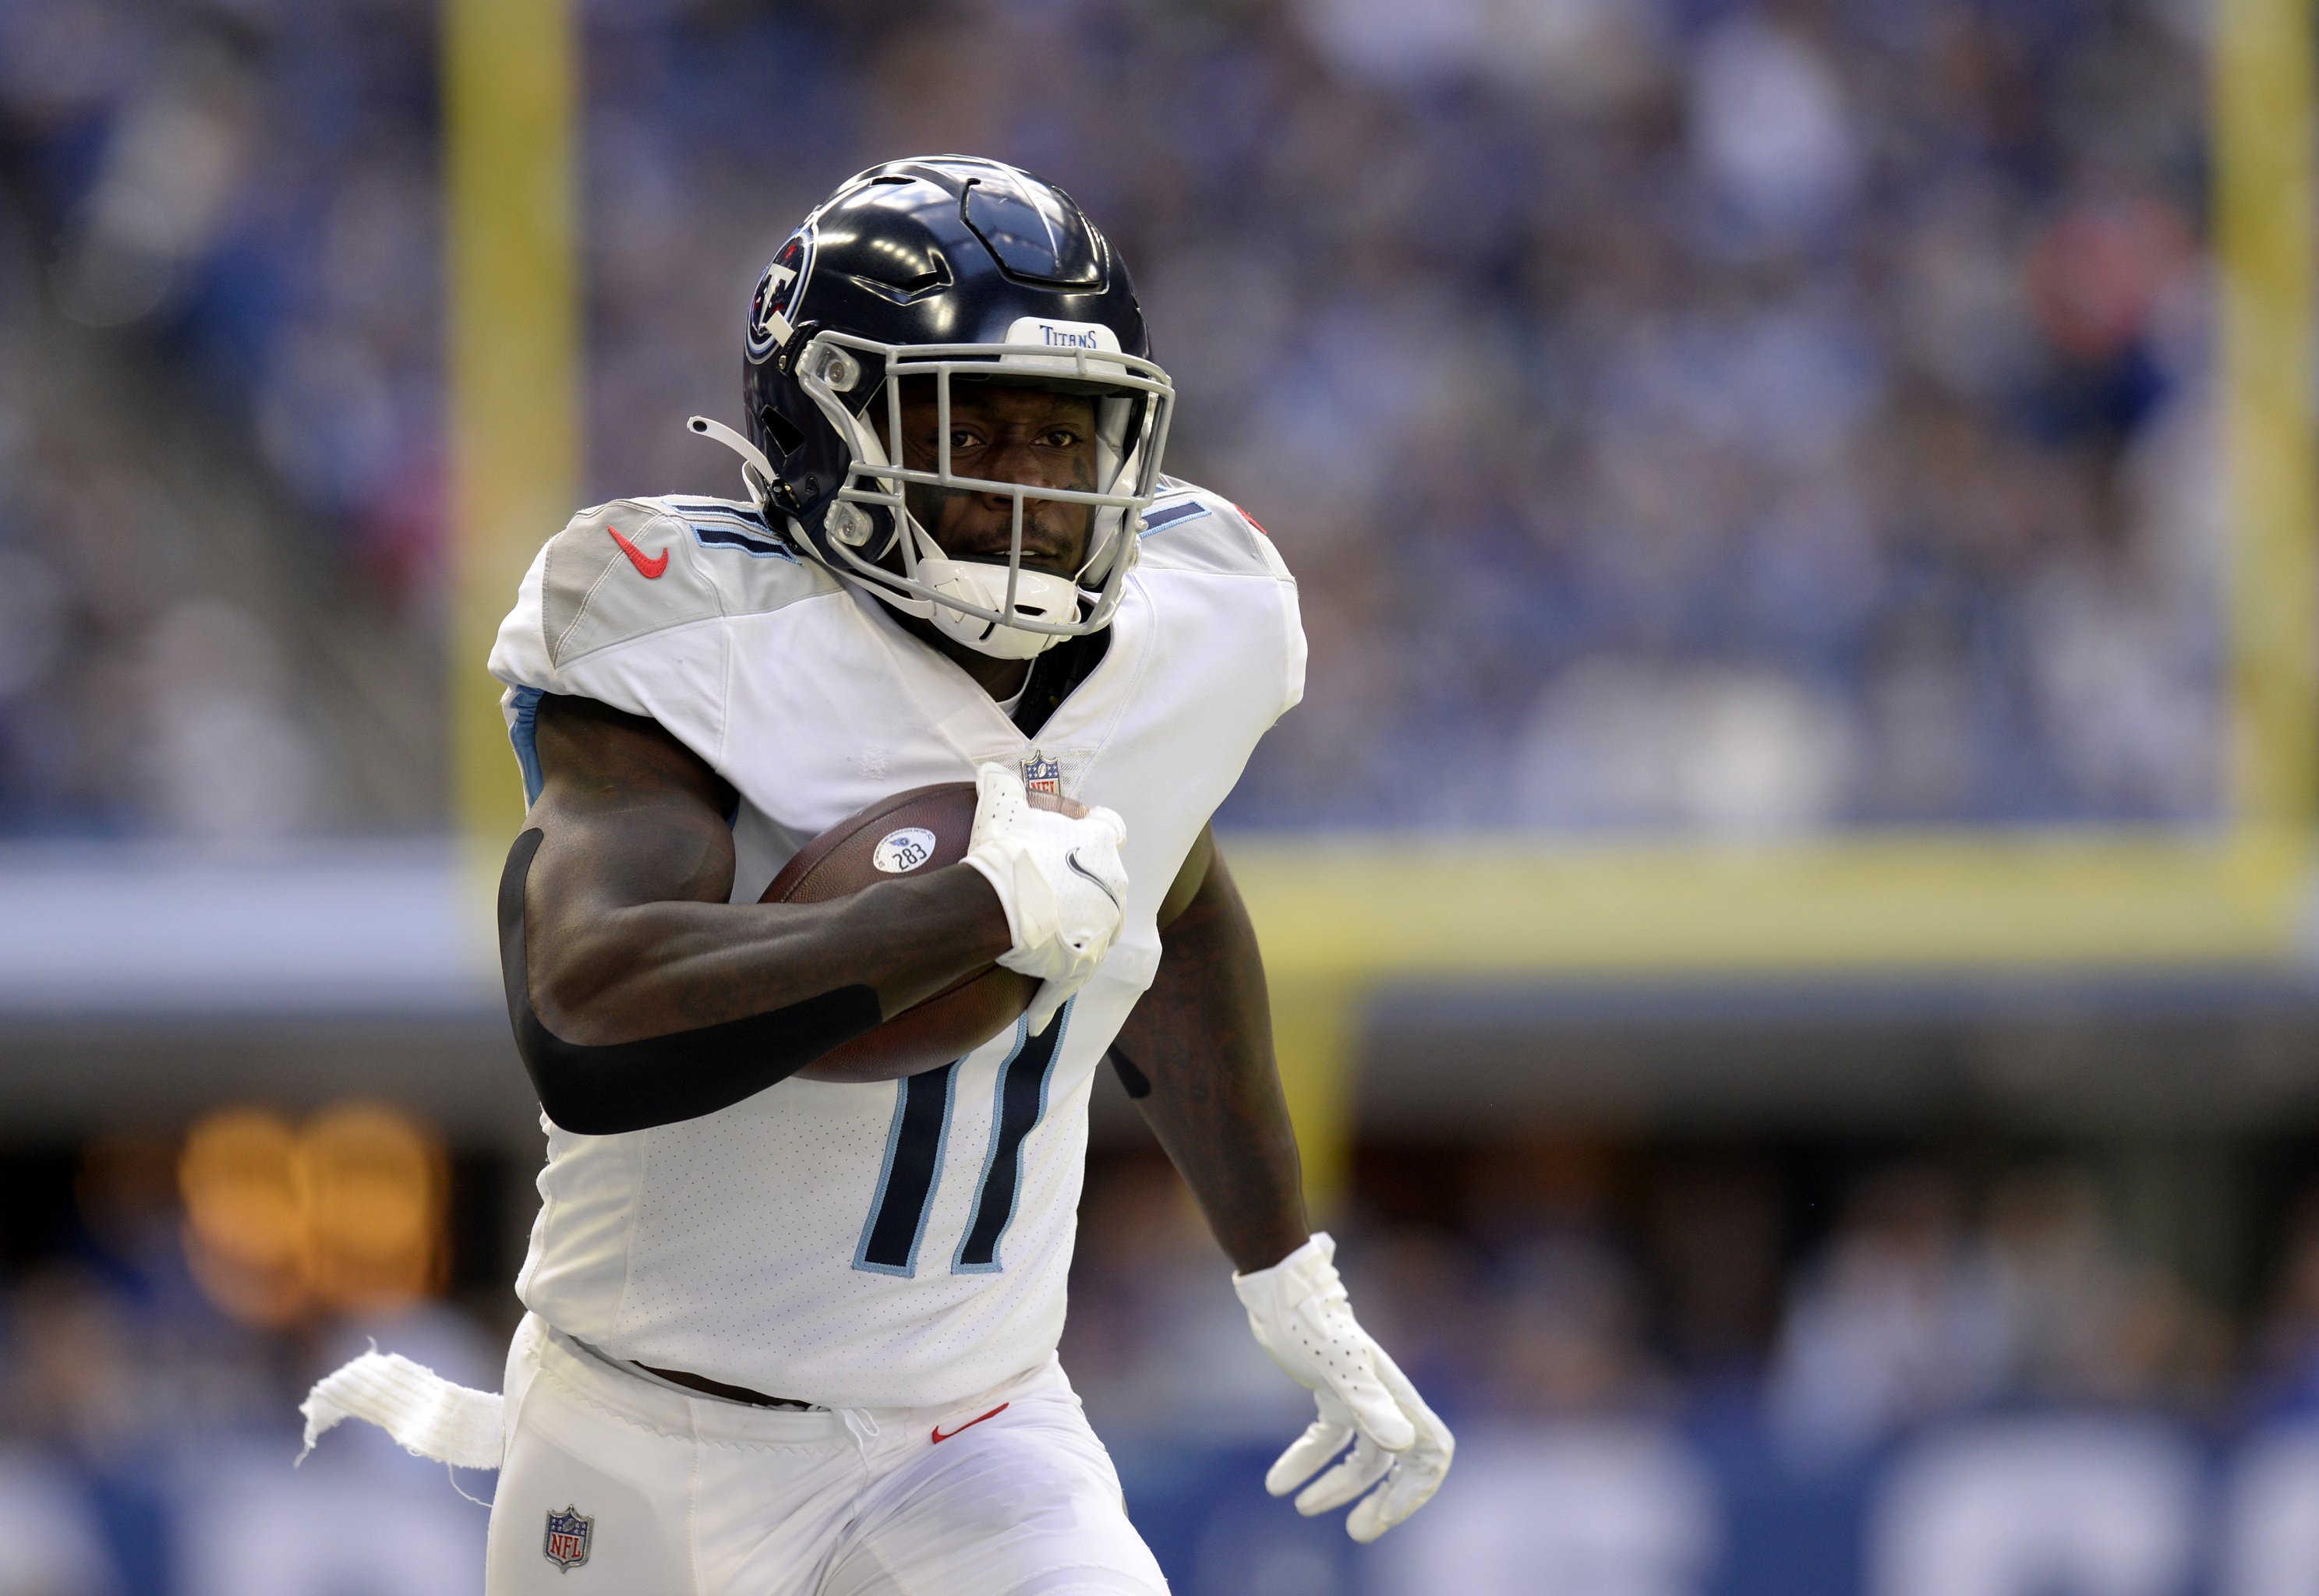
(1033, 435)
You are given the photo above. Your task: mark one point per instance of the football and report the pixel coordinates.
(908, 833)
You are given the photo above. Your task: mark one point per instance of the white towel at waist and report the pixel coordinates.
(429, 1414)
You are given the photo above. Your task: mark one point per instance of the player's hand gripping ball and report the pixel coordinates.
(1060, 879)
(926, 828)
(911, 834)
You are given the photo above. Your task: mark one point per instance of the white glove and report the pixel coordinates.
(1058, 879)
(1299, 1312)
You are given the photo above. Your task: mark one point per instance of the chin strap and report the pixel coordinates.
(756, 471)
(1038, 595)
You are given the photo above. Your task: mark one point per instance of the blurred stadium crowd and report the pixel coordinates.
(1688, 414)
(1667, 1378)
(1684, 413)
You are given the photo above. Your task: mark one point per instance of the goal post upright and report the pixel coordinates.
(2260, 85)
(512, 356)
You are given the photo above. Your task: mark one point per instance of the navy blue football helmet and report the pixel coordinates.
(956, 269)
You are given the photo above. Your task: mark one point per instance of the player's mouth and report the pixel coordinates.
(1040, 552)
(1034, 558)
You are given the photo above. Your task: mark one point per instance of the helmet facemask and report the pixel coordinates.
(1007, 609)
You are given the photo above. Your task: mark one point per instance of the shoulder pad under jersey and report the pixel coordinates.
(1191, 533)
(1190, 528)
(636, 566)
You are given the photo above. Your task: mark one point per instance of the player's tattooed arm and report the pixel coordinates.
(1199, 1049)
(622, 934)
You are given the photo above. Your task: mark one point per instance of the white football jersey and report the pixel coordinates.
(903, 1243)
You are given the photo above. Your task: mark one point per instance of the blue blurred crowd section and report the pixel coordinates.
(1681, 413)
(1959, 1386)
(2091, 1504)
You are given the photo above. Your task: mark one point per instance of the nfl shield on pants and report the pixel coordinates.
(566, 1546)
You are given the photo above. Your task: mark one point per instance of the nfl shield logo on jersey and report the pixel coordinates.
(1041, 774)
(568, 1535)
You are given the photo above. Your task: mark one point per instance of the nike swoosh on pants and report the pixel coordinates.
(970, 1424)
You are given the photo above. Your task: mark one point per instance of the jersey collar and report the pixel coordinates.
(971, 721)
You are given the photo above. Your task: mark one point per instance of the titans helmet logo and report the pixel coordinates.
(778, 292)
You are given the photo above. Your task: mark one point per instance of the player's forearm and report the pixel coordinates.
(706, 1023)
(1202, 1037)
(626, 926)
(644, 969)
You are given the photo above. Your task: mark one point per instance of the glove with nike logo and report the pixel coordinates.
(1057, 877)
(1299, 1311)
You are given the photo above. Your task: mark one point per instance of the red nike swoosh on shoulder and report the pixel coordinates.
(970, 1424)
(652, 567)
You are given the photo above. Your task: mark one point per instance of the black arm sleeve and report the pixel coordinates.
(658, 1080)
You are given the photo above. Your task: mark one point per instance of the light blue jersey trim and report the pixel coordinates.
(752, 542)
(1161, 519)
(523, 731)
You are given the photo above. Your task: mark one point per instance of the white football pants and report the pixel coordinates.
(656, 1491)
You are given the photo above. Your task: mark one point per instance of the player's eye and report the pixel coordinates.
(1060, 438)
(960, 439)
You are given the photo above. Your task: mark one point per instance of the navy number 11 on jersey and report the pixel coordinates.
(915, 1149)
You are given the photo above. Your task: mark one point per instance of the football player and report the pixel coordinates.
(792, 1333)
